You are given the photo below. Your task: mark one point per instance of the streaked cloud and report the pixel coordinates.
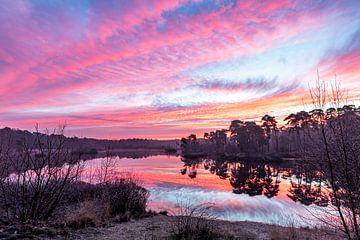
(166, 65)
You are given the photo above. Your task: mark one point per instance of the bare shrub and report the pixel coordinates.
(124, 196)
(34, 176)
(107, 167)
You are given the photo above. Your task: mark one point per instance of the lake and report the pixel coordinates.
(238, 191)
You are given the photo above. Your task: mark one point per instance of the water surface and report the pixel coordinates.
(254, 192)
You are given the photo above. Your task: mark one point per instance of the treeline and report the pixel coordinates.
(266, 137)
(84, 145)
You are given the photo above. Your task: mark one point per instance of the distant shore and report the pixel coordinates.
(267, 157)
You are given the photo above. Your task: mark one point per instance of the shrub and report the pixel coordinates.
(124, 195)
(195, 222)
(120, 199)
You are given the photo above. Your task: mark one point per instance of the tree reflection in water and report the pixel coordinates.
(308, 190)
(258, 178)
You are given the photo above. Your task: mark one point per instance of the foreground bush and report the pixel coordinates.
(91, 204)
(124, 196)
(83, 204)
(40, 182)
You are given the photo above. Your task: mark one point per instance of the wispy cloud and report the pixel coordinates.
(258, 84)
(154, 61)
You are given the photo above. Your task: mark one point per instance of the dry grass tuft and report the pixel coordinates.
(87, 215)
(195, 222)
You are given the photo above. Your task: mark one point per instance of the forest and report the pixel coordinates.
(266, 138)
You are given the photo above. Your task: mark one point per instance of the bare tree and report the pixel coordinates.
(333, 148)
(107, 167)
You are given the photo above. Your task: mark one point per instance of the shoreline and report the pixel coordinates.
(160, 227)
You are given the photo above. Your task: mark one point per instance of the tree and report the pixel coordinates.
(268, 123)
(189, 145)
(219, 138)
(333, 149)
(298, 122)
(248, 135)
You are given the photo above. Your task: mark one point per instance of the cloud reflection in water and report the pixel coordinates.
(161, 175)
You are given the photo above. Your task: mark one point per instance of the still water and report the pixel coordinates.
(255, 192)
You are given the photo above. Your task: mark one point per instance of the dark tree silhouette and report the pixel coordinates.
(268, 123)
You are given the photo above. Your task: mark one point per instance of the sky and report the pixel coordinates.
(167, 68)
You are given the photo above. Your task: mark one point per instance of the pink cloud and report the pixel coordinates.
(106, 58)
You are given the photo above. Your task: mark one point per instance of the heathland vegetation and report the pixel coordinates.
(41, 184)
